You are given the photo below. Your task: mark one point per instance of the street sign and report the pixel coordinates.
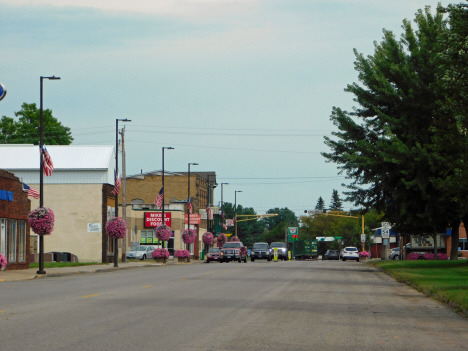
(363, 238)
(292, 233)
(386, 225)
(385, 233)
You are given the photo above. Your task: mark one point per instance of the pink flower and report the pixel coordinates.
(41, 220)
(221, 239)
(160, 253)
(116, 228)
(208, 238)
(163, 232)
(188, 236)
(235, 239)
(182, 253)
(413, 256)
(3, 261)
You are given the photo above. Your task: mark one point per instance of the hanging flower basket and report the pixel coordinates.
(3, 262)
(208, 238)
(235, 239)
(160, 253)
(163, 232)
(182, 253)
(41, 220)
(221, 239)
(188, 236)
(116, 228)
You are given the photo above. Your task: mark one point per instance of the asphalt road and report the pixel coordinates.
(311, 305)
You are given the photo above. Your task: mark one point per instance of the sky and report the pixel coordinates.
(244, 88)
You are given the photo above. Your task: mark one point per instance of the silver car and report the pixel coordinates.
(142, 252)
(394, 253)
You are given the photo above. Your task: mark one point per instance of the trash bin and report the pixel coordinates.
(202, 255)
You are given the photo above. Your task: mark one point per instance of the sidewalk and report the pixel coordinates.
(31, 273)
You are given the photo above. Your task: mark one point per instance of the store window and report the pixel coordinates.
(22, 242)
(149, 237)
(12, 240)
(3, 236)
(462, 244)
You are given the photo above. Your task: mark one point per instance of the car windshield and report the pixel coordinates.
(351, 249)
(214, 250)
(231, 245)
(140, 248)
(277, 245)
(333, 252)
(260, 246)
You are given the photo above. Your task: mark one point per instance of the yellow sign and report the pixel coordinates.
(275, 254)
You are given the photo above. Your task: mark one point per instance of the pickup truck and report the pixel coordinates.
(232, 252)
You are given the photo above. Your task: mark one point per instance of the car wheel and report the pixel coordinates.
(344, 259)
(239, 260)
(252, 259)
(143, 258)
(357, 260)
(245, 260)
(397, 257)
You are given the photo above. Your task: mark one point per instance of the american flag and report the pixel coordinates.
(190, 206)
(159, 199)
(208, 212)
(224, 226)
(117, 183)
(222, 215)
(47, 164)
(31, 191)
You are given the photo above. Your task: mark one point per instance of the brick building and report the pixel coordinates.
(14, 227)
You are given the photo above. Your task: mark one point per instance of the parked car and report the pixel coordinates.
(260, 251)
(232, 252)
(394, 253)
(350, 253)
(282, 250)
(214, 254)
(141, 252)
(331, 255)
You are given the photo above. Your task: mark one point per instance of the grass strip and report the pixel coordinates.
(63, 264)
(446, 281)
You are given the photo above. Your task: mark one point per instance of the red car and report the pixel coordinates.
(213, 255)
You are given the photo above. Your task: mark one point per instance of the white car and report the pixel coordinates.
(350, 253)
(141, 252)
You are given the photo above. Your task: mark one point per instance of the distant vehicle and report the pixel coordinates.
(350, 253)
(282, 250)
(331, 255)
(394, 253)
(214, 254)
(260, 251)
(141, 252)
(231, 252)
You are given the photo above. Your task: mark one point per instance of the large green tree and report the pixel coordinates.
(335, 203)
(26, 129)
(320, 204)
(389, 155)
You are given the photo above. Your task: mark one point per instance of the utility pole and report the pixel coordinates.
(124, 205)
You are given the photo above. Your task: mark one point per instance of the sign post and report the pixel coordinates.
(385, 236)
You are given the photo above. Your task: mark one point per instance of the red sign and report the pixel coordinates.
(154, 219)
(194, 218)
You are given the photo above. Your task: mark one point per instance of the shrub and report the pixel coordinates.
(182, 253)
(208, 238)
(413, 256)
(160, 253)
(116, 228)
(235, 239)
(188, 236)
(364, 254)
(41, 220)
(163, 232)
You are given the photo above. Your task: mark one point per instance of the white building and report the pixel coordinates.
(78, 191)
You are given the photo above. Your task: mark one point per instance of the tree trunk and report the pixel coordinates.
(455, 238)
(434, 236)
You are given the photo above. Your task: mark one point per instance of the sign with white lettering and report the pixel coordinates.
(154, 219)
(194, 218)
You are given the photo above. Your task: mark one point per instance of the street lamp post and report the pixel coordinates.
(164, 190)
(41, 175)
(116, 241)
(188, 209)
(222, 209)
(235, 209)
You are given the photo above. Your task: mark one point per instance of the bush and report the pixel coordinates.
(3, 261)
(182, 253)
(235, 239)
(364, 254)
(413, 256)
(160, 253)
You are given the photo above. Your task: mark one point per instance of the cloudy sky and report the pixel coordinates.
(245, 88)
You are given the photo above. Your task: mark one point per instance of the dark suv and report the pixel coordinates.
(260, 251)
(282, 250)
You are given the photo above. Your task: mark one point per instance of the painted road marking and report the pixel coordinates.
(183, 279)
(147, 286)
(91, 295)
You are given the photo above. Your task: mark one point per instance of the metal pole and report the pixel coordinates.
(235, 210)
(164, 191)
(116, 211)
(41, 172)
(41, 186)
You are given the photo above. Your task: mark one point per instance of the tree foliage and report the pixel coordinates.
(26, 129)
(320, 204)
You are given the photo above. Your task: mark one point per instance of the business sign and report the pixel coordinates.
(154, 219)
(94, 227)
(293, 232)
(2, 91)
(194, 219)
(229, 222)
